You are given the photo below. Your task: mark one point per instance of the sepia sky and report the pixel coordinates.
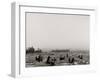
(55, 31)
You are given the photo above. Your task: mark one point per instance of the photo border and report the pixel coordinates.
(17, 63)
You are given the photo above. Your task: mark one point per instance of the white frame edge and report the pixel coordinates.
(14, 40)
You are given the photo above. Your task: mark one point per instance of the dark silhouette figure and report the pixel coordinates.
(71, 60)
(51, 61)
(48, 60)
(62, 58)
(39, 58)
(80, 57)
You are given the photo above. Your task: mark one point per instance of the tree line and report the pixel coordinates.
(32, 50)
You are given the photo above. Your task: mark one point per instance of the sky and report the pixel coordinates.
(56, 31)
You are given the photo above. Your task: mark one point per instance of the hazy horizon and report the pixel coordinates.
(51, 31)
